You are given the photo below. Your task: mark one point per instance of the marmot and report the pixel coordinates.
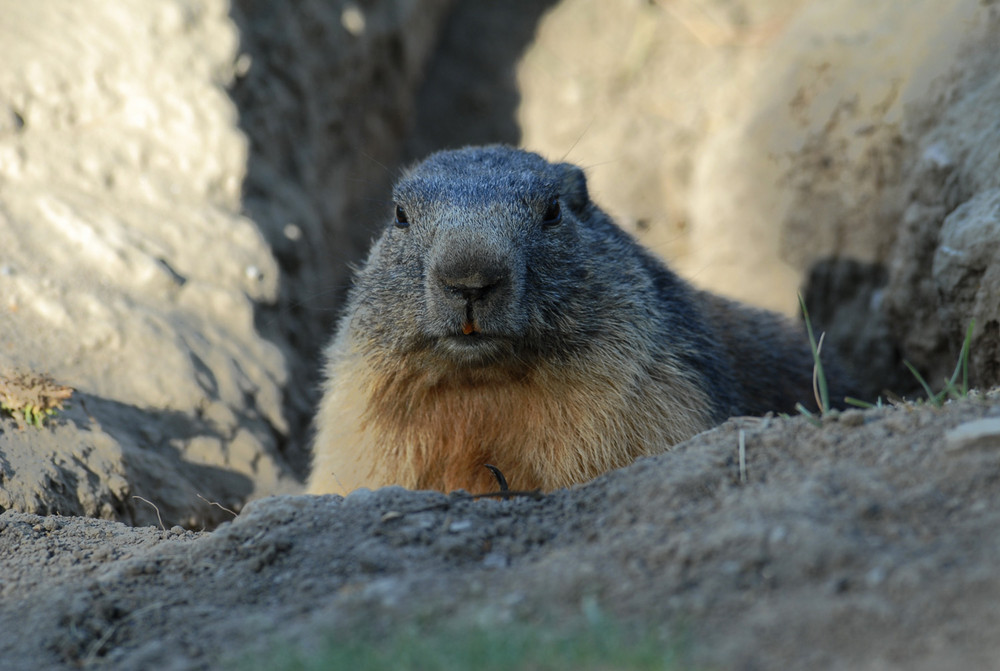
(502, 318)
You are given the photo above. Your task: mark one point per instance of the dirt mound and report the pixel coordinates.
(866, 542)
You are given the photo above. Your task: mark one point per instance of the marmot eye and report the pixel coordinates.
(402, 220)
(553, 213)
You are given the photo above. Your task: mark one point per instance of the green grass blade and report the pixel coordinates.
(962, 367)
(824, 393)
(931, 396)
(808, 415)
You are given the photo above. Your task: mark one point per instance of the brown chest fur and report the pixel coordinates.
(545, 427)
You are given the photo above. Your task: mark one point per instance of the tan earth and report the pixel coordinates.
(183, 185)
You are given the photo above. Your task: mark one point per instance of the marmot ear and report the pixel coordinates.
(574, 187)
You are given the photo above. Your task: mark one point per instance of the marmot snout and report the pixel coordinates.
(473, 288)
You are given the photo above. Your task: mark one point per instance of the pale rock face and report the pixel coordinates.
(748, 142)
(133, 266)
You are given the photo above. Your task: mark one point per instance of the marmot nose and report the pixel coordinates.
(470, 278)
(471, 287)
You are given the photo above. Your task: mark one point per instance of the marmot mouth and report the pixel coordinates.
(474, 348)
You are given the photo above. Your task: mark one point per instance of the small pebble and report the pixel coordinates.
(353, 20)
(495, 560)
(292, 232)
(980, 434)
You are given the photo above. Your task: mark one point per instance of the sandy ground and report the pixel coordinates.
(866, 542)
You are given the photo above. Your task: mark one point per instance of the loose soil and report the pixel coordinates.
(868, 541)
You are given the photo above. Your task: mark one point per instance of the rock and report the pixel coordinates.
(165, 205)
(760, 145)
(944, 268)
(977, 434)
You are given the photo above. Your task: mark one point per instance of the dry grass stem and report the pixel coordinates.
(816, 371)
(160, 519)
(743, 457)
(217, 505)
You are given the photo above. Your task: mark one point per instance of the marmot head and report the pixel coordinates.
(488, 259)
